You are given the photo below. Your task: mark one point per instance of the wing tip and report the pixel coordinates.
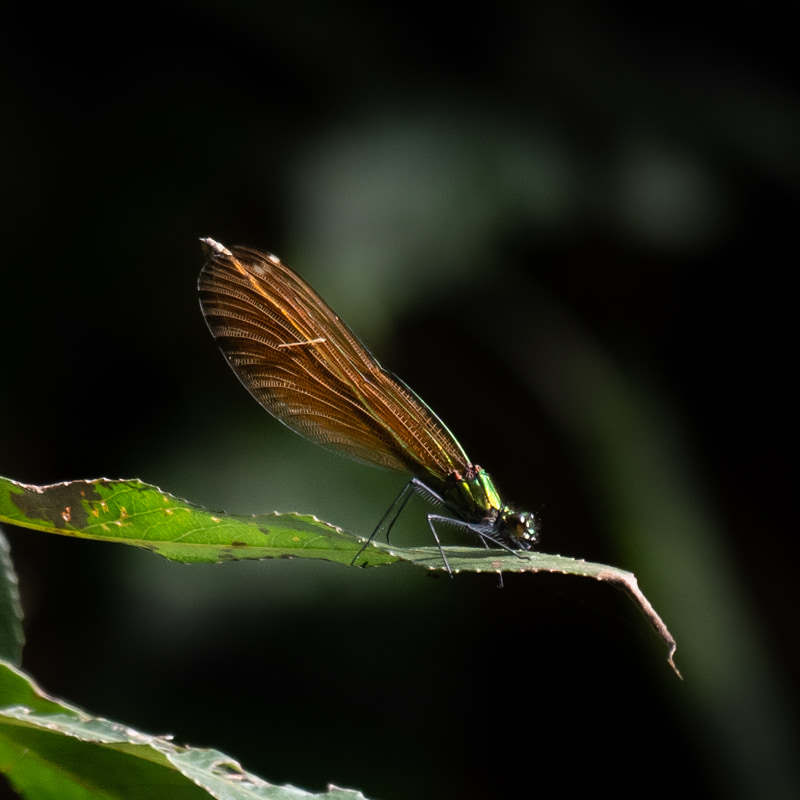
(213, 248)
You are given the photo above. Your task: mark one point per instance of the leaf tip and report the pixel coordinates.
(671, 659)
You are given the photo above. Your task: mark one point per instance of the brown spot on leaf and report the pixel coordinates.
(48, 503)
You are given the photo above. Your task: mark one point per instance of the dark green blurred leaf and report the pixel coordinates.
(49, 749)
(11, 635)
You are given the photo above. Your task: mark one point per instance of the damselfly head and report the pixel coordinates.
(519, 528)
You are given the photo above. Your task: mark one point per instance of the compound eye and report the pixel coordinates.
(519, 524)
(525, 530)
(519, 529)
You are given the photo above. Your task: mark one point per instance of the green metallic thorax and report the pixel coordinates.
(473, 493)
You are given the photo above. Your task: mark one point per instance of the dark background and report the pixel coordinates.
(569, 229)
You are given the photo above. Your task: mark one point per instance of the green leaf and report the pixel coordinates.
(135, 513)
(49, 749)
(11, 635)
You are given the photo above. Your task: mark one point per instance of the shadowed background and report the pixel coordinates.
(570, 231)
